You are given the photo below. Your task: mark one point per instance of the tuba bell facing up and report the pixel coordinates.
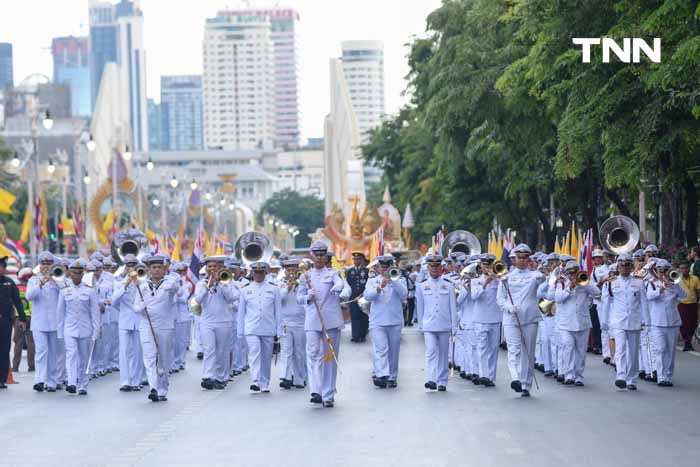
(253, 246)
(129, 241)
(463, 241)
(619, 234)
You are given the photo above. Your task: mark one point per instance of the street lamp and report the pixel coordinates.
(48, 121)
(193, 185)
(51, 168)
(127, 153)
(207, 196)
(15, 161)
(173, 182)
(231, 206)
(87, 179)
(156, 202)
(271, 221)
(222, 202)
(91, 144)
(149, 164)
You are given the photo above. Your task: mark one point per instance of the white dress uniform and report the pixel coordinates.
(466, 334)
(647, 349)
(215, 327)
(385, 323)
(101, 354)
(240, 347)
(50, 352)
(111, 328)
(132, 372)
(523, 284)
(625, 305)
(665, 324)
(487, 325)
(159, 302)
(328, 289)
(259, 313)
(183, 326)
(292, 338)
(437, 317)
(601, 273)
(548, 330)
(573, 310)
(78, 317)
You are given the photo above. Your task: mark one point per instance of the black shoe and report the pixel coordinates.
(391, 384)
(329, 403)
(219, 385)
(381, 382)
(207, 384)
(39, 387)
(525, 393)
(569, 382)
(254, 388)
(162, 398)
(265, 391)
(620, 384)
(315, 398)
(236, 373)
(109, 370)
(579, 383)
(488, 383)
(300, 386)
(589, 350)
(153, 395)
(561, 379)
(431, 385)
(125, 388)
(476, 380)
(285, 384)
(669, 384)
(631, 387)
(3, 386)
(688, 347)
(465, 375)
(70, 389)
(442, 388)
(246, 368)
(353, 340)
(135, 388)
(50, 389)
(663, 384)
(642, 375)
(548, 374)
(597, 351)
(200, 355)
(59, 387)
(606, 360)
(516, 386)
(82, 392)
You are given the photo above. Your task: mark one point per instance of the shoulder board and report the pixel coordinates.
(245, 285)
(424, 280)
(272, 283)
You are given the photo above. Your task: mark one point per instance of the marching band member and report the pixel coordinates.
(215, 323)
(320, 291)
(103, 287)
(465, 315)
(573, 309)
(548, 326)
(111, 327)
(665, 320)
(598, 276)
(487, 320)
(437, 318)
(605, 318)
(625, 304)
(131, 369)
(231, 265)
(240, 348)
(156, 302)
(259, 312)
(646, 360)
(183, 322)
(385, 322)
(78, 317)
(517, 297)
(291, 332)
(43, 293)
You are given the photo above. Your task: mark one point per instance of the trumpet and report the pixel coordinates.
(582, 278)
(394, 274)
(673, 276)
(58, 273)
(225, 277)
(500, 268)
(139, 273)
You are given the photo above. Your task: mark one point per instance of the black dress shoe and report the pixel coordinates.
(642, 375)
(285, 384)
(488, 383)
(70, 389)
(569, 382)
(631, 387)
(431, 385)
(50, 389)
(548, 374)
(606, 360)
(125, 388)
(236, 373)
(82, 392)
(561, 379)
(315, 398)
(219, 385)
(597, 351)
(578, 383)
(476, 380)
(59, 387)
(442, 388)
(464, 375)
(391, 384)
(162, 398)
(516, 386)
(620, 383)
(200, 355)
(687, 347)
(300, 386)
(525, 393)
(3, 386)
(153, 395)
(39, 387)
(135, 388)
(254, 388)
(207, 384)
(329, 403)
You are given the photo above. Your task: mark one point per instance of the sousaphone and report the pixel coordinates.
(461, 240)
(253, 246)
(619, 234)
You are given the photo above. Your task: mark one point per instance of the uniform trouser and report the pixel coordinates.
(20, 339)
(215, 341)
(182, 332)
(456, 356)
(152, 360)
(240, 354)
(293, 355)
(130, 358)
(97, 363)
(626, 354)
(386, 344)
(521, 356)
(231, 348)
(538, 342)
(197, 334)
(322, 375)
(549, 329)
(46, 358)
(77, 355)
(574, 345)
(470, 358)
(61, 360)
(113, 330)
(410, 307)
(437, 347)
(664, 339)
(260, 352)
(359, 321)
(689, 320)
(647, 352)
(595, 328)
(5, 343)
(605, 337)
(488, 338)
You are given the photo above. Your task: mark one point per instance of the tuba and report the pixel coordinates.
(619, 234)
(253, 246)
(127, 242)
(461, 240)
(58, 273)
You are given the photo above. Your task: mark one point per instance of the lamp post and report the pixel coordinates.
(656, 198)
(47, 123)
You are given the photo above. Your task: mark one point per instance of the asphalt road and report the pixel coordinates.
(468, 425)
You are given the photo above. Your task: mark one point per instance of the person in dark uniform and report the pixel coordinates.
(357, 276)
(9, 299)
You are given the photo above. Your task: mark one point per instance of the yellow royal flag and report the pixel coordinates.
(7, 199)
(574, 243)
(26, 226)
(68, 226)
(44, 216)
(335, 264)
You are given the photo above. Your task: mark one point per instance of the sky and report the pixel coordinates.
(173, 32)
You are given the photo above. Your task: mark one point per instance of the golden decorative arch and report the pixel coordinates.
(126, 186)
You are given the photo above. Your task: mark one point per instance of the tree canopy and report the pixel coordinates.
(291, 207)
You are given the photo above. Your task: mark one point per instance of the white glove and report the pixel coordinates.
(337, 289)
(310, 293)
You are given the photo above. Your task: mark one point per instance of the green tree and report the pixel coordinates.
(304, 211)
(10, 182)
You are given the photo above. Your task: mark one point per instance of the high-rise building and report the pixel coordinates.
(6, 79)
(70, 66)
(237, 82)
(154, 126)
(181, 112)
(116, 35)
(363, 68)
(276, 35)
